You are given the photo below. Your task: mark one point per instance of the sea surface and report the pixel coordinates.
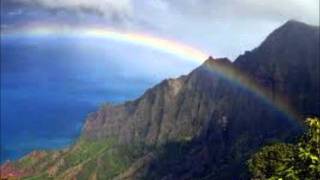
(49, 85)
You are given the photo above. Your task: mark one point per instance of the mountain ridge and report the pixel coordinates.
(201, 117)
(276, 66)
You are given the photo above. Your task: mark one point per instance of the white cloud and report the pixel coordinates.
(113, 10)
(272, 10)
(100, 5)
(303, 10)
(134, 10)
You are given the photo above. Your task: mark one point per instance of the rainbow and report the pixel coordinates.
(242, 79)
(164, 45)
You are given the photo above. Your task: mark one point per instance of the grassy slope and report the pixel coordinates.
(101, 159)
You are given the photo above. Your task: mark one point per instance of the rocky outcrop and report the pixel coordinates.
(8, 170)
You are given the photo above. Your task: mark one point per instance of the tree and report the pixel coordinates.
(290, 161)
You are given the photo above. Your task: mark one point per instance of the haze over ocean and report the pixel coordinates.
(50, 84)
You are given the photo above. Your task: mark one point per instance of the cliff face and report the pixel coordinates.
(202, 124)
(288, 64)
(175, 109)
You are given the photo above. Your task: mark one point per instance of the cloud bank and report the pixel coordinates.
(304, 10)
(223, 27)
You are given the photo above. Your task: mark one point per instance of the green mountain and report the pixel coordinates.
(204, 125)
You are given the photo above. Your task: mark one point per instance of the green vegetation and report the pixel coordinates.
(290, 161)
(85, 150)
(87, 159)
(39, 177)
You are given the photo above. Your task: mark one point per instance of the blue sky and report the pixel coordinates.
(225, 28)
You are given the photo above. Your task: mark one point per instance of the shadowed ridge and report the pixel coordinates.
(292, 33)
(288, 64)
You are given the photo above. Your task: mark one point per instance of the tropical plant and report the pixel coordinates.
(290, 161)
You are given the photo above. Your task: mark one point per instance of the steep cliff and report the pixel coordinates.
(287, 66)
(287, 63)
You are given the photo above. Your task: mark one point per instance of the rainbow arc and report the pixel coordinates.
(164, 45)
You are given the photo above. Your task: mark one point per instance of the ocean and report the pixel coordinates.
(49, 85)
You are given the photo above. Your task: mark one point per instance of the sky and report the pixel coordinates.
(223, 28)
(64, 78)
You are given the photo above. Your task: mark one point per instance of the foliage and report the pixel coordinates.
(290, 161)
(87, 159)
